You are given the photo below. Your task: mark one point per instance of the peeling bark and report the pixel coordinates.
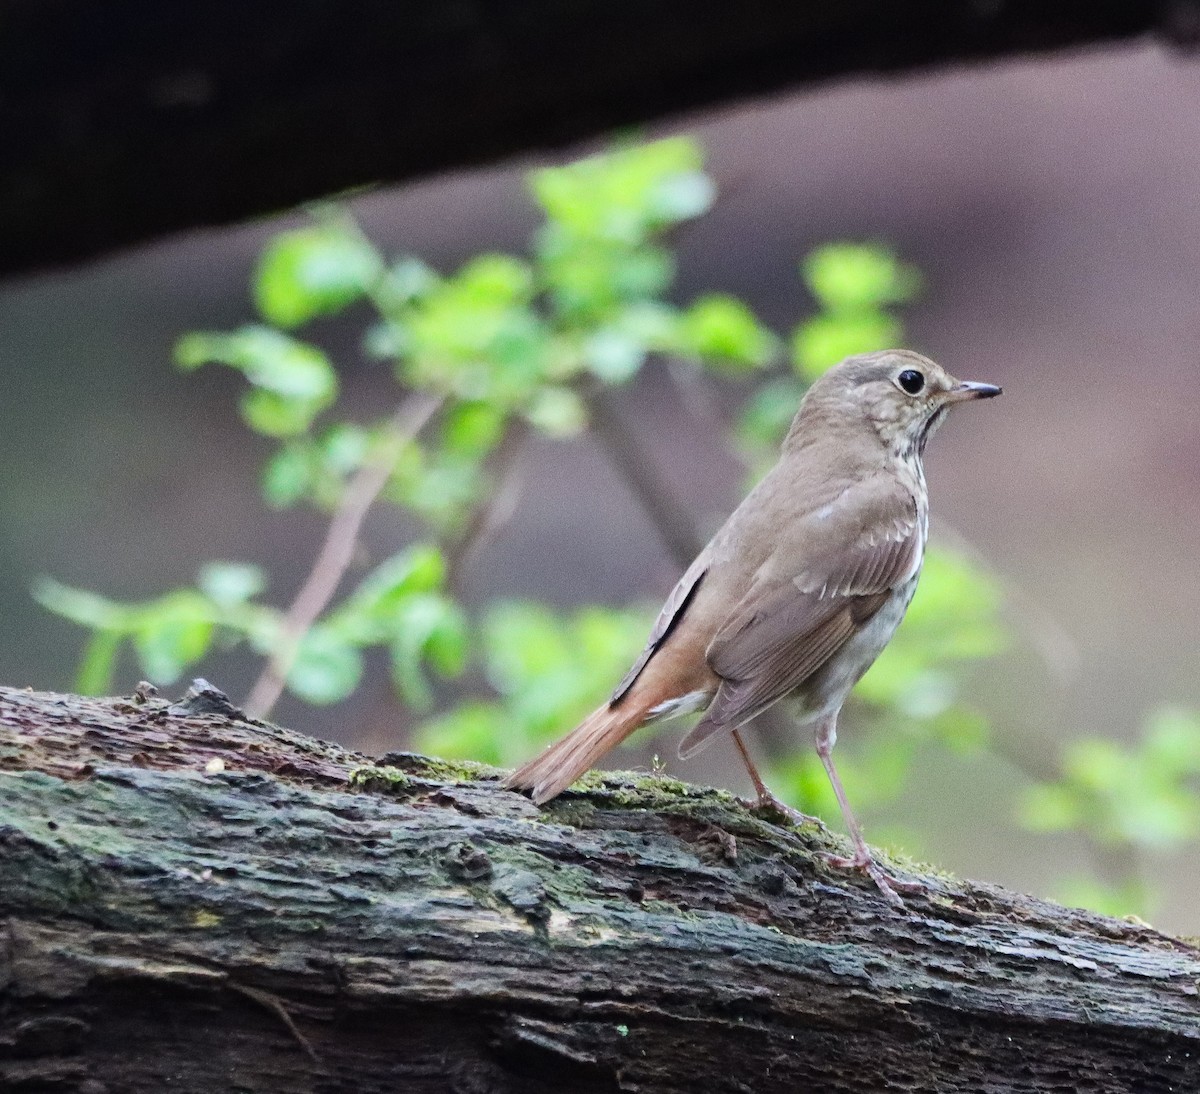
(197, 902)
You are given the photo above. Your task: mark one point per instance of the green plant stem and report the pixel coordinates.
(337, 550)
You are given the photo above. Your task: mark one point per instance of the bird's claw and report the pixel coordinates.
(768, 803)
(886, 883)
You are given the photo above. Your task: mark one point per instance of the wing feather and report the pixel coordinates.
(790, 624)
(672, 611)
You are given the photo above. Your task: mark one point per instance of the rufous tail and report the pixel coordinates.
(563, 762)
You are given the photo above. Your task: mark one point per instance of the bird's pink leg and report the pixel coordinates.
(862, 859)
(765, 799)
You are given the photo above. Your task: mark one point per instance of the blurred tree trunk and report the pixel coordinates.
(124, 120)
(193, 902)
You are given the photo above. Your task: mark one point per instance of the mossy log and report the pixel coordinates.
(193, 901)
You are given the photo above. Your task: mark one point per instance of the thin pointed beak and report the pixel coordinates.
(972, 389)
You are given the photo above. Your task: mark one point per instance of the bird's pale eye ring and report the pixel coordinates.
(911, 381)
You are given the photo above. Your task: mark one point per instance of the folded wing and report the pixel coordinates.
(824, 582)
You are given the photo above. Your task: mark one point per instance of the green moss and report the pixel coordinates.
(643, 790)
(379, 778)
(436, 769)
(905, 864)
(456, 771)
(573, 812)
(403, 773)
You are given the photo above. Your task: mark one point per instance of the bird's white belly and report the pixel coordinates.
(825, 691)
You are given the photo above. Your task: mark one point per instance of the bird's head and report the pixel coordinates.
(902, 395)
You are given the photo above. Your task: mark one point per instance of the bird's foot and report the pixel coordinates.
(766, 802)
(886, 883)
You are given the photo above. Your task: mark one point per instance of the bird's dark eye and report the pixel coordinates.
(911, 381)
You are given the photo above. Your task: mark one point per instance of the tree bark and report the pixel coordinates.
(124, 120)
(192, 901)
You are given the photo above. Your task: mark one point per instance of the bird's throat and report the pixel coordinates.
(927, 429)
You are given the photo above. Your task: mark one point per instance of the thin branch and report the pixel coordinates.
(625, 450)
(698, 395)
(494, 512)
(337, 551)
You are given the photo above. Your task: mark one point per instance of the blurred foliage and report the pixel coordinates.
(1142, 796)
(1132, 800)
(547, 670)
(508, 343)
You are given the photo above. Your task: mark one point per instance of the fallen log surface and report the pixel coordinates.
(193, 901)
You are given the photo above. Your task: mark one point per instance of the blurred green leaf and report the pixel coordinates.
(523, 642)
(275, 415)
(172, 633)
(344, 448)
(724, 332)
(472, 429)
(476, 335)
(1123, 899)
(430, 627)
(558, 412)
(230, 583)
(954, 616)
(407, 280)
(79, 605)
(683, 195)
(372, 613)
(292, 381)
(768, 413)
(598, 251)
(800, 780)
(268, 358)
(614, 355)
(1124, 796)
(1095, 764)
(473, 731)
(327, 668)
(589, 281)
(821, 342)
(854, 284)
(288, 475)
(98, 666)
(387, 340)
(1156, 816)
(314, 271)
(857, 276)
(1173, 740)
(625, 195)
(441, 487)
(961, 730)
(1046, 807)
(549, 670)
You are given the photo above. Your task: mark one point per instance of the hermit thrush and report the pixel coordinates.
(800, 589)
